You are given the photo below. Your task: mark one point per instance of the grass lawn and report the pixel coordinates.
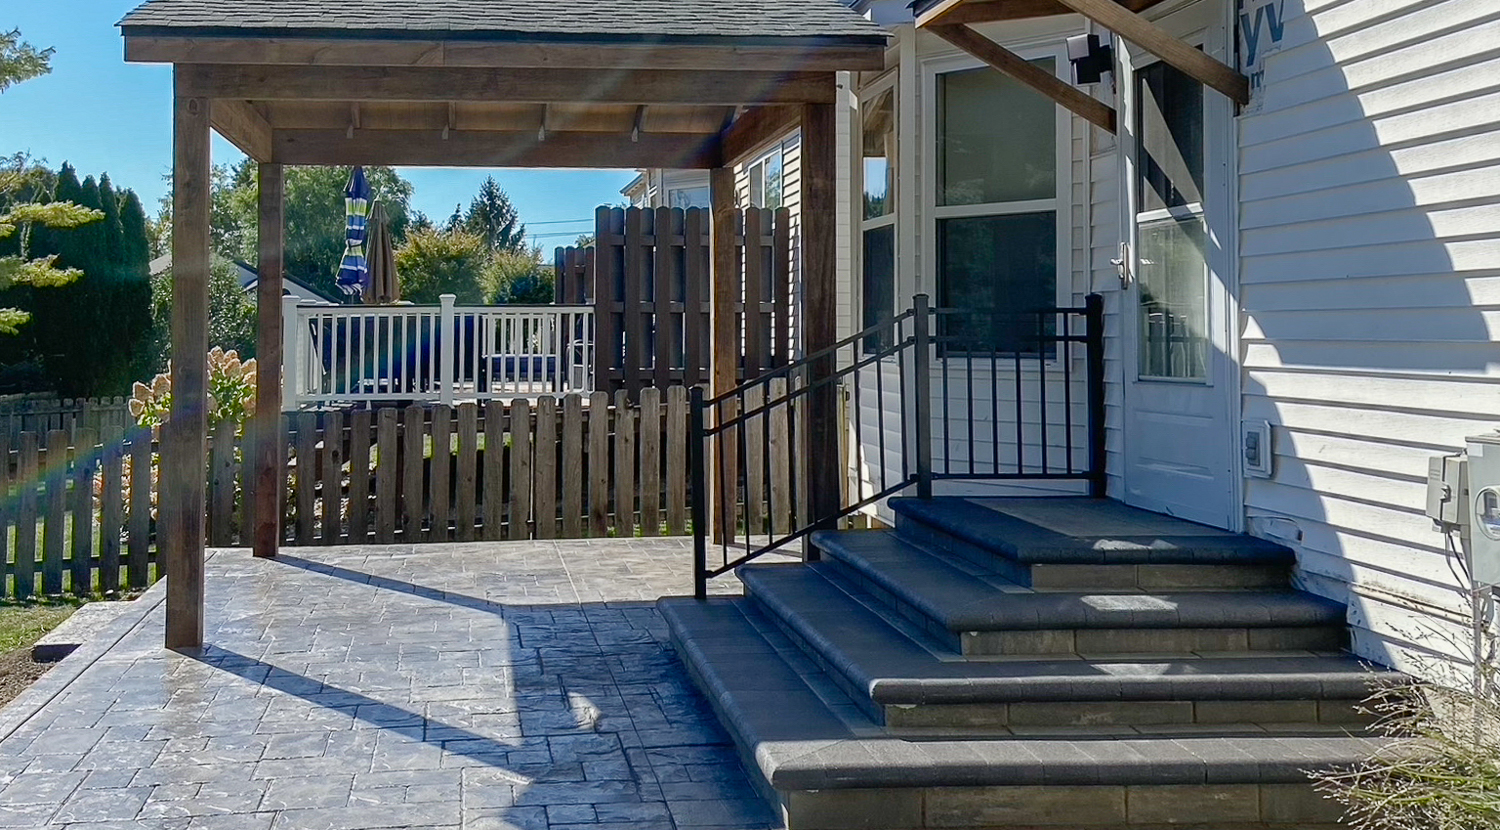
(22, 623)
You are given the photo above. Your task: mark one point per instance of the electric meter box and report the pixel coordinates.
(1484, 508)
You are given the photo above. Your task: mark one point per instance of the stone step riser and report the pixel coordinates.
(1020, 717)
(1178, 641)
(1127, 578)
(1116, 807)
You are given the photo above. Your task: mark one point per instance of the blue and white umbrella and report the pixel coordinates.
(355, 266)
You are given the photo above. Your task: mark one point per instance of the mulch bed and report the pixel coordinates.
(17, 672)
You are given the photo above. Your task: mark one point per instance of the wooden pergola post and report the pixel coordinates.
(269, 477)
(184, 469)
(820, 309)
(724, 350)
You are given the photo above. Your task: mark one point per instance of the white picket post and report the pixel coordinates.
(447, 350)
(292, 358)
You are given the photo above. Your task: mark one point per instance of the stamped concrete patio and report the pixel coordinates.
(496, 685)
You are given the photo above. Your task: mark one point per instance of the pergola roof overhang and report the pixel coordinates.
(529, 83)
(953, 20)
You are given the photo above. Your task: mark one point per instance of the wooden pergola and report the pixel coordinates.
(954, 21)
(526, 83)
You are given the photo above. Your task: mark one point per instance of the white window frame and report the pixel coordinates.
(868, 95)
(758, 167)
(1061, 204)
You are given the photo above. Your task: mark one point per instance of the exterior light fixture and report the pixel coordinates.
(1090, 58)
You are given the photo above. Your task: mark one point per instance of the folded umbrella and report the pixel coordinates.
(381, 283)
(354, 267)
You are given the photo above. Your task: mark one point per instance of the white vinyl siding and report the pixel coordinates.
(1370, 286)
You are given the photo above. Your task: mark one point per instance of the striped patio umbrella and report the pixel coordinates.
(381, 284)
(355, 267)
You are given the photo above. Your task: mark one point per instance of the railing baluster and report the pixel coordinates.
(1041, 381)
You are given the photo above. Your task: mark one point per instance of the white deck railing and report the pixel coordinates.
(433, 354)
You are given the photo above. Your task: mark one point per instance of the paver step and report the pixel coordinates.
(901, 682)
(1111, 547)
(833, 769)
(978, 611)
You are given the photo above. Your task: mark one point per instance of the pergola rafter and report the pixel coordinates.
(332, 86)
(954, 21)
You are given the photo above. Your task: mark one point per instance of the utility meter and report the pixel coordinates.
(1484, 508)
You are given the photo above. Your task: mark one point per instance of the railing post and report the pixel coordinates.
(447, 350)
(922, 392)
(1094, 348)
(697, 461)
(293, 333)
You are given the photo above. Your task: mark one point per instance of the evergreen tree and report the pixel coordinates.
(135, 248)
(114, 231)
(493, 218)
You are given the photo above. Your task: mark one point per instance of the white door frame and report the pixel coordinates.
(1207, 23)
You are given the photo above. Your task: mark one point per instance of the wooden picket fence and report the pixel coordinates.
(73, 515)
(541, 468)
(44, 413)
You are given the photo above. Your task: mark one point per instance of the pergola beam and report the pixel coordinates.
(634, 86)
(244, 127)
(499, 54)
(469, 148)
(756, 127)
(1091, 109)
(955, 12)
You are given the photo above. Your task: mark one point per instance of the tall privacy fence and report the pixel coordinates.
(648, 278)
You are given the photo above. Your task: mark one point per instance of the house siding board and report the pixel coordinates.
(1370, 289)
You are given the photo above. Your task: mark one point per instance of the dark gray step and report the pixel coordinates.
(1064, 541)
(829, 769)
(976, 610)
(900, 682)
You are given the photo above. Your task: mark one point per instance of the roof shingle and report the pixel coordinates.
(662, 20)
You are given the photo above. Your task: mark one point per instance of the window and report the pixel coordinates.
(878, 117)
(997, 208)
(1172, 271)
(765, 180)
(688, 197)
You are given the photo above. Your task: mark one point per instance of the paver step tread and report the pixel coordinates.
(1126, 535)
(896, 669)
(960, 597)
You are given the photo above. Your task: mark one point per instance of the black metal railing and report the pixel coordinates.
(928, 395)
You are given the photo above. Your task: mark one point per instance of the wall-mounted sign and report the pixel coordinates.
(1261, 25)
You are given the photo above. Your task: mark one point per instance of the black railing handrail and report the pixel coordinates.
(916, 462)
(807, 360)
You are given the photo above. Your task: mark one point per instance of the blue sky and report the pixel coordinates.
(104, 115)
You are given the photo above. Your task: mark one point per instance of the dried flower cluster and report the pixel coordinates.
(231, 392)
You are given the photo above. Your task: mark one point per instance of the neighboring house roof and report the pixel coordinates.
(651, 20)
(248, 279)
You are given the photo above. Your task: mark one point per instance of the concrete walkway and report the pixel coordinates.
(495, 685)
